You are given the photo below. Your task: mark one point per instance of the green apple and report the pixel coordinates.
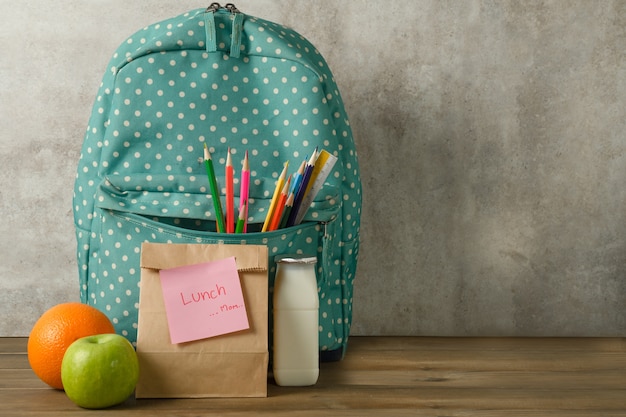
(100, 371)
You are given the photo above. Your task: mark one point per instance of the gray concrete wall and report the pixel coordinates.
(491, 137)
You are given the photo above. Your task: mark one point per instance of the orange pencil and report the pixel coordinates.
(280, 206)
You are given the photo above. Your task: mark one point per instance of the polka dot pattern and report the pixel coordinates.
(141, 178)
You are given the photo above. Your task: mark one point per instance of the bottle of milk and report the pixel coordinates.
(296, 316)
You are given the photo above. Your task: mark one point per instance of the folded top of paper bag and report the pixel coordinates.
(249, 258)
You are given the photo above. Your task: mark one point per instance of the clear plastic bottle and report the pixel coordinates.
(296, 318)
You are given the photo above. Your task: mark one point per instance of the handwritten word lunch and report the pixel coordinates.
(199, 296)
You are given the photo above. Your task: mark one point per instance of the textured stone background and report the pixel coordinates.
(491, 136)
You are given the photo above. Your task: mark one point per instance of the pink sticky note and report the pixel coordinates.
(203, 300)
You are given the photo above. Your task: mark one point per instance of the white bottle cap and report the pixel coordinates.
(296, 259)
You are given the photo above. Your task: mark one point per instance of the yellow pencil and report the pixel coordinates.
(279, 186)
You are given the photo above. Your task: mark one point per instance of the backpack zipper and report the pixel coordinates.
(215, 6)
(232, 8)
(237, 27)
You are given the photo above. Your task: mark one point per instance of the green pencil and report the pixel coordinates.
(241, 221)
(287, 211)
(215, 192)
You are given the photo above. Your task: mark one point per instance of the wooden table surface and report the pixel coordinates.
(390, 376)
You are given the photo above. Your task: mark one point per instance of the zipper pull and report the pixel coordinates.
(237, 29)
(213, 7)
(209, 27)
(231, 8)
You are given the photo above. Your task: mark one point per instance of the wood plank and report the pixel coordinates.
(20, 379)
(13, 344)
(479, 379)
(483, 360)
(391, 343)
(466, 344)
(330, 379)
(345, 397)
(333, 413)
(14, 361)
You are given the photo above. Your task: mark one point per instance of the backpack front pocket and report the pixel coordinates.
(129, 213)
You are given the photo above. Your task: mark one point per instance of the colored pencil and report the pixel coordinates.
(299, 194)
(280, 205)
(241, 222)
(279, 186)
(230, 197)
(215, 192)
(244, 190)
(286, 211)
(297, 177)
(323, 158)
(323, 167)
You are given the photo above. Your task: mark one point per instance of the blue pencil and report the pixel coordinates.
(299, 195)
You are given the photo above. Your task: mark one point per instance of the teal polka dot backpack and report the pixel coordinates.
(239, 85)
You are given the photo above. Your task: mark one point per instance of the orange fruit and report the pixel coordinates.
(55, 331)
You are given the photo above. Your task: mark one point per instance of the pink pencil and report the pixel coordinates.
(244, 190)
(230, 202)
